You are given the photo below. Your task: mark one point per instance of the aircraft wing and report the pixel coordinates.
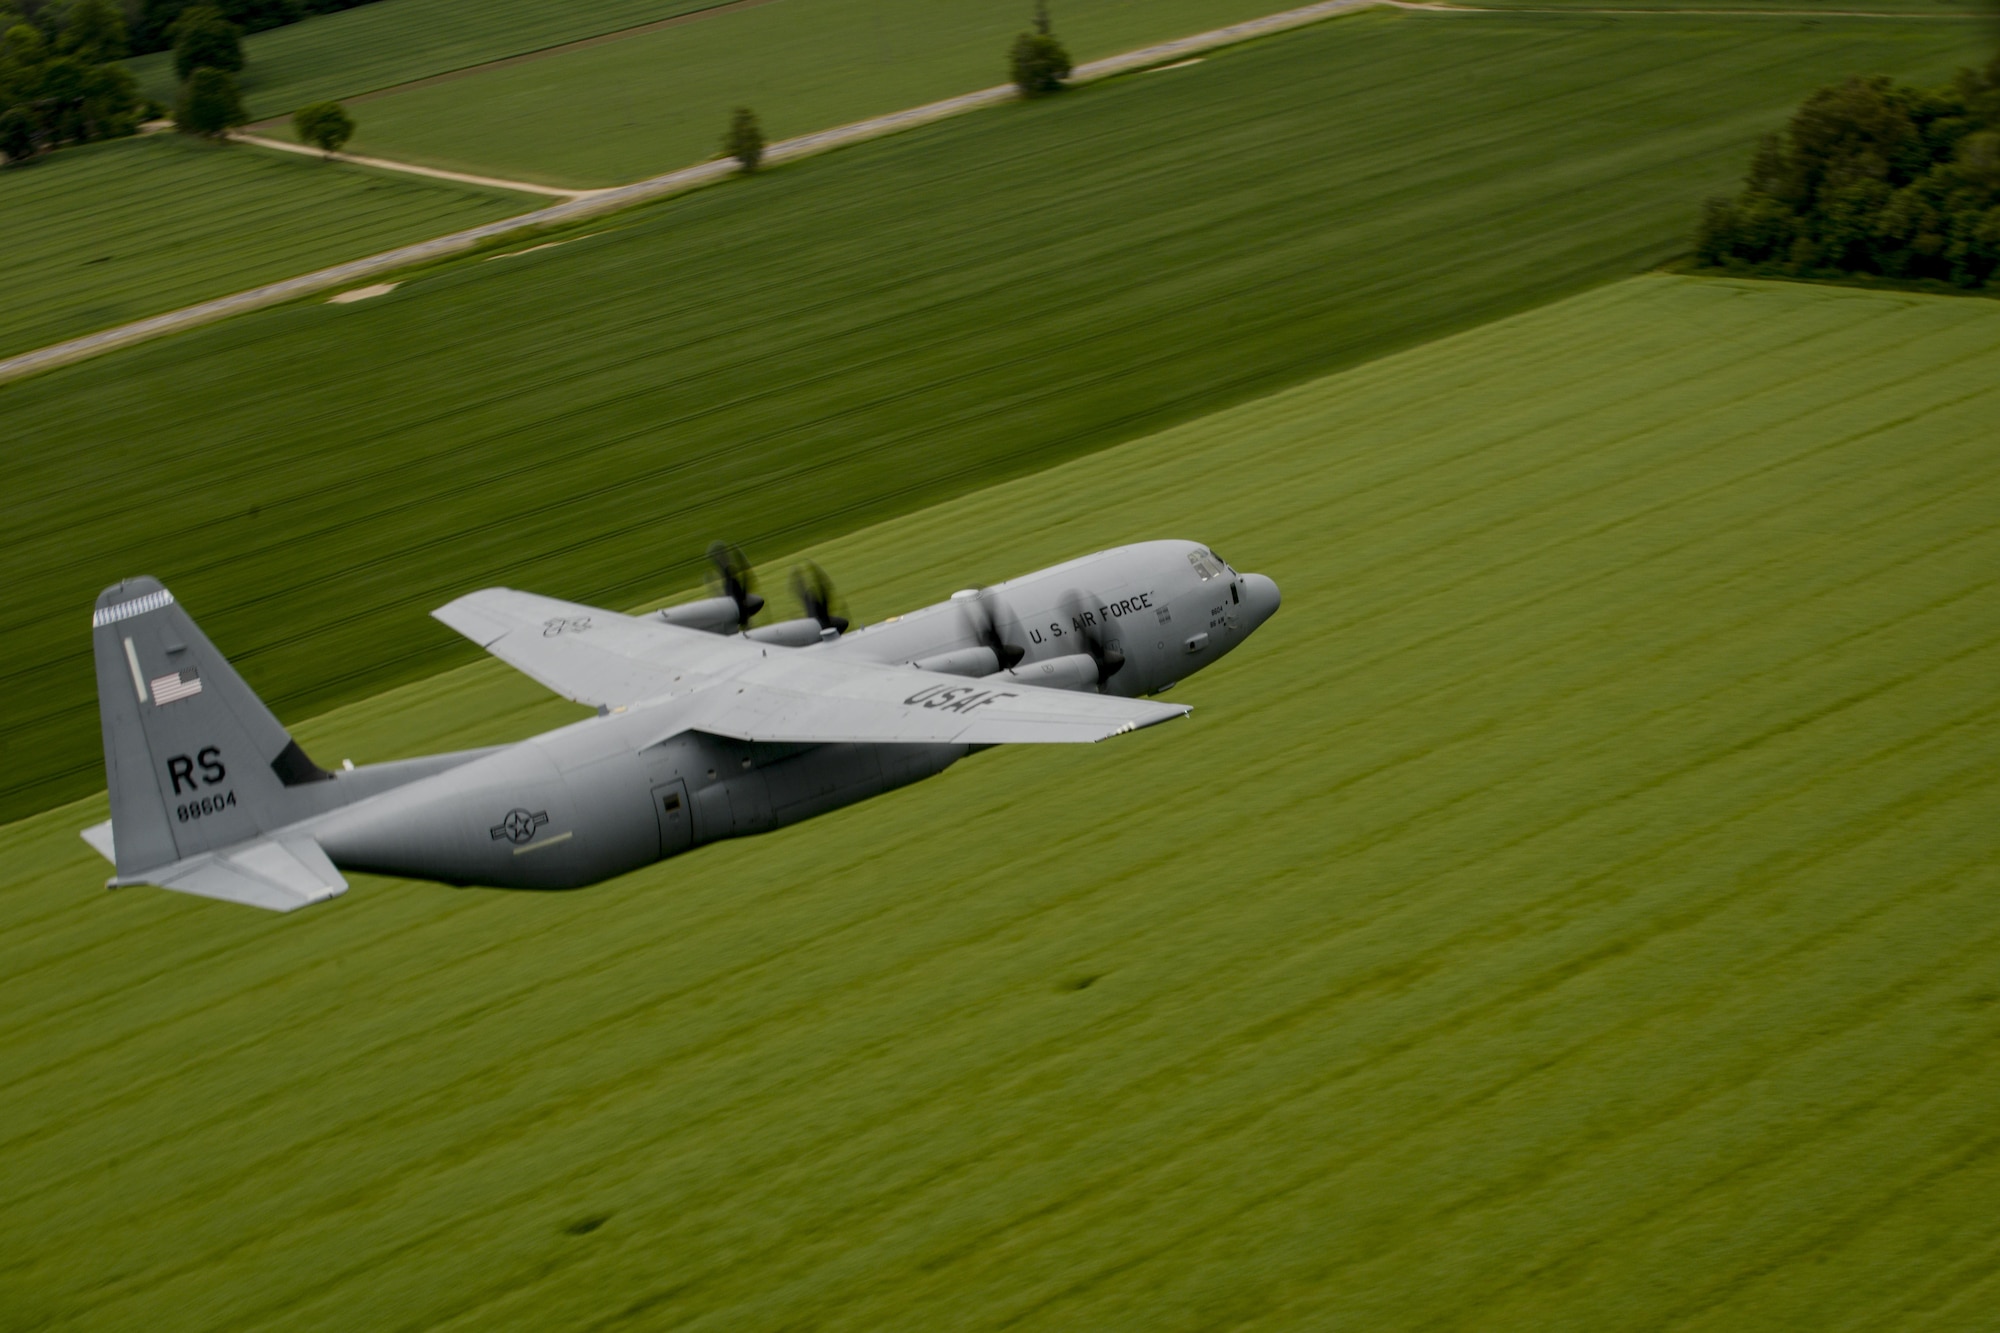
(801, 696)
(593, 656)
(755, 692)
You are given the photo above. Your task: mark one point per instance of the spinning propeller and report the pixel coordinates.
(732, 571)
(815, 591)
(983, 611)
(1083, 621)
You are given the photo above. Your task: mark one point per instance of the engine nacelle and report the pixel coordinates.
(1076, 671)
(715, 615)
(792, 633)
(980, 661)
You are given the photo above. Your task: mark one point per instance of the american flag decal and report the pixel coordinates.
(179, 685)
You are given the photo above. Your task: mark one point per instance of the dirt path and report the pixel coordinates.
(412, 169)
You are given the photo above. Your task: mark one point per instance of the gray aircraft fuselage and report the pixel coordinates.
(620, 790)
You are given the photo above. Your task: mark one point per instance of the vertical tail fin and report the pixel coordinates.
(192, 758)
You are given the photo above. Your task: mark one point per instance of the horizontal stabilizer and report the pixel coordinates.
(279, 874)
(99, 838)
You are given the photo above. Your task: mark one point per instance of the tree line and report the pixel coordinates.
(59, 77)
(1874, 177)
(152, 21)
(60, 82)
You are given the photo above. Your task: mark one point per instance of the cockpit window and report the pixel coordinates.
(1205, 564)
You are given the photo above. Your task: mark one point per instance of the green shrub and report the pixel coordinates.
(209, 104)
(325, 125)
(745, 140)
(205, 39)
(1872, 177)
(1038, 63)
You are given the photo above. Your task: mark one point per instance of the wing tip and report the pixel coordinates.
(1168, 713)
(465, 615)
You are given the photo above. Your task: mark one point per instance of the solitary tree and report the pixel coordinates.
(745, 140)
(17, 134)
(326, 125)
(1038, 61)
(209, 104)
(203, 38)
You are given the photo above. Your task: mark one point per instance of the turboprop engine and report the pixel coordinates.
(979, 661)
(1076, 671)
(733, 610)
(715, 615)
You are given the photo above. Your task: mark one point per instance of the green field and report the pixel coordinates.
(782, 359)
(1951, 9)
(602, 115)
(113, 232)
(1575, 910)
(395, 41)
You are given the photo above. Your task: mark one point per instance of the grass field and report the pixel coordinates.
(602, 115)
(812, 61)
(1966, 9)
(785, 358)
(1577, 909)
(394, 41)
(114, 232)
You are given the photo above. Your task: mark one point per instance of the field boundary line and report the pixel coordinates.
(410, 168)
(615, 198)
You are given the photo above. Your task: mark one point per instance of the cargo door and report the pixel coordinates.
(670, 805)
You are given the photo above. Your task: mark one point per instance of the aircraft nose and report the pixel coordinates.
(1260, 599)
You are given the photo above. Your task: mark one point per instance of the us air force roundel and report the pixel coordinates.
(519, 825)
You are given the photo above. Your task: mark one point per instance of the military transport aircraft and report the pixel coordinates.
(705, 729)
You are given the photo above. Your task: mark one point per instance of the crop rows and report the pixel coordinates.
(103, 235)
(1576, 907)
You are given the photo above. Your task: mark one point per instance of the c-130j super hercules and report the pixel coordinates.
(705, 729)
